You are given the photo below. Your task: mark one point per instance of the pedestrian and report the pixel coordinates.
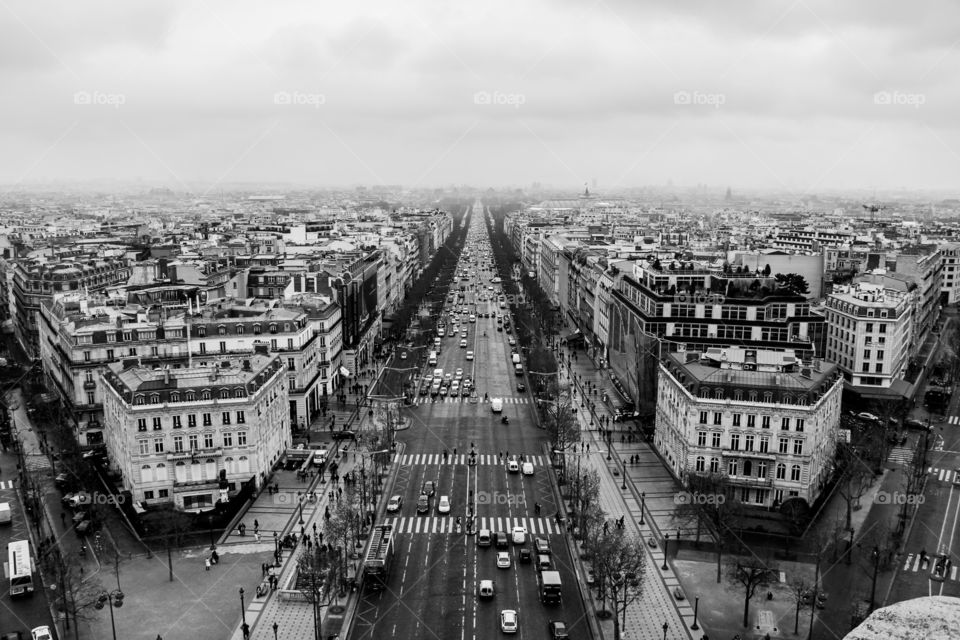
(206, 563)
(63, 518)
(256, 526)
(257, 535)
(242, 528)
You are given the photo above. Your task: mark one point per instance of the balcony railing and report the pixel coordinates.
(195, 453)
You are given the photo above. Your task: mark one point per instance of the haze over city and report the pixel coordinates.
(801, 96)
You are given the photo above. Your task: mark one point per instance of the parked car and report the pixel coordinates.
(41, 633)
(344, 434)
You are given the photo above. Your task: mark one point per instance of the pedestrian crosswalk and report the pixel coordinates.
(445, 524)
(7, 484)
(461, 399)
(902, 455)
(945, 475)
(954, 420)
(913, 564)
(38, 463)
(461, 458)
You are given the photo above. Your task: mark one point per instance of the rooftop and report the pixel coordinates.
(228, 372)
(735, 366)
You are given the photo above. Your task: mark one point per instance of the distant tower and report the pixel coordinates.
(729, 195)
(586, 190)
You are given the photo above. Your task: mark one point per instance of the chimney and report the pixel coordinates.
(246, 365)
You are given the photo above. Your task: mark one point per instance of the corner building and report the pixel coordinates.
(765, 420)
(192, 437)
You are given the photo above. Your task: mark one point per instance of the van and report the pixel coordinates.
(6, 516)
(496, 405)
(543, 562)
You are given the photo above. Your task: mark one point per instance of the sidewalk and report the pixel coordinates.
(656, 606)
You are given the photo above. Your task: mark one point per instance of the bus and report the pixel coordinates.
(20, 568)
(376, 564)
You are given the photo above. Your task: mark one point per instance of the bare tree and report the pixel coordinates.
(712, 506)
(171, 526)
(751, 574)
(587, 497)
(343, 529)
(856, 477)
(620, 561)
(317, 580)
(800, 590)
(75, 597)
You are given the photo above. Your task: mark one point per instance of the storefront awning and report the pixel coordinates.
(344, 372)
(568, 336)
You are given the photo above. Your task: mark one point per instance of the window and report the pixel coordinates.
(225, 417)
(732, 468)
(228, 439)
(744, 495)
(715, 440)
(191, 396)
(714, 465)
(765, 422)
(175, 396)
(223, 347)
(178, 444)
(736, 419)
(784, 424)
(224, 394)
(91, 397)
(158, 445)
(703, 417)
(205, 395)
(866, 354)
(141, 424)
(157, 424)
(878, 368)
(239, 327)
(701, 464)
(109, 354)
(764, 444)
(800, 424)
(717, 417)
(208, 441)
(163, 493)
(256, 329)
(191, 420)
(291, 364)
(192, 440)
(701, 438)
(207, 420)
(290, 344)
(735, 442)
(154, 398)
(132, 351)
(784, 445)
(762, 469)
(751, 420)
(203, 347)
(140, 400)
(144, 446)
(795, 473)
(148, 495)
(222, 330)
(748, 443)
(241, 438)
(177, 422)
(86, 356)
(241, 417)
(781, 471)
(870, 327)
(798, 447)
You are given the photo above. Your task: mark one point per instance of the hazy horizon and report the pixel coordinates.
(804, 98)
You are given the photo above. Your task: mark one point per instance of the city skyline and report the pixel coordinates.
(802, 97)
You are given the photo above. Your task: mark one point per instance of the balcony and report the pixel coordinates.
(752, 455)
(89, 384)
(195, 454)
(193, 485)
(750, 481)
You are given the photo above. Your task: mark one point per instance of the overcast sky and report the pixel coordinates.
(801, 95)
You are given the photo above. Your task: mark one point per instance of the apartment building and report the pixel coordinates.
(869, 329)
(766, 421)
(950, 288)
(192, 437)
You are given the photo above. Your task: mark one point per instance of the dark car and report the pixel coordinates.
(345, 434)
(521, 387)
(557, 630)
(913, 423)
(503, 542)
(12, 635)
(526, 555)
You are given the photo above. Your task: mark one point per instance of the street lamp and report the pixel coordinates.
(666, 540)
(696, 607)
(643, 502)
(873, 588)
(114, 599)
(243, 608)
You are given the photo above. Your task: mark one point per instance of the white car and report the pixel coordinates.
(458, 373)
(463, 344)
(508, 621)
(519, 535)
(486, 590)
(503, 560)
(513, 466)
(527, 468)
(455, 387)
(394, 504)
(469, 355)
(443, 505)
(41, 633)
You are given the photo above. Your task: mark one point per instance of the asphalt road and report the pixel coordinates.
(433, 584)
(937, 523)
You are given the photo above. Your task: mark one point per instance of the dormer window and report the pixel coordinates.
(222, 330)
(201, 331)
(140, 400)
(191, 396)
(256, 329)
(155, 398)
(175, 397)
(238, 393)
(205, 395)
(240, 330)
(224, 394)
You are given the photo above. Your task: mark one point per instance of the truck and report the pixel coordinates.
(379, 556)
(550, 587)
